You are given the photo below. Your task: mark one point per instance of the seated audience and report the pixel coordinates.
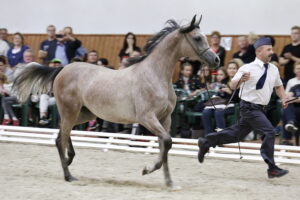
(15, 54)
(6, 70)
(7, 99)
(291, 54)
(104, 63)
(215, 40)
(246, 52)
(216, 111)
(92, 57)
(291, 115)
(186, 80)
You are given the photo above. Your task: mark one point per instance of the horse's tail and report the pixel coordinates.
(34, 79)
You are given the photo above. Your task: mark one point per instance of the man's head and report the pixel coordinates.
(263, 49)
(92, 57)
(295, 33)
(243, 42)
(60, 36)
(68, 30)
(55, 63)
(28, 56)
(3, 34)
(51, 31)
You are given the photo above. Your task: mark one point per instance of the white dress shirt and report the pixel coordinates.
(248, 90)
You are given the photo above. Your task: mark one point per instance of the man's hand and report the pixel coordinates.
(288, 55)
(245, 76)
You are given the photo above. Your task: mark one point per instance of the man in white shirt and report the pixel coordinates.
(257, 80)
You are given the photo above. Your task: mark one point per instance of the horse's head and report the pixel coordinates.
(195, 46)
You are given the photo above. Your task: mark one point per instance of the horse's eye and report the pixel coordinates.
(198, 38)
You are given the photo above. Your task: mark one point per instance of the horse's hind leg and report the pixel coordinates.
(66, 152)
(63, 141)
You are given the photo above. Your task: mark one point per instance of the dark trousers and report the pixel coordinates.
(291, 113)
(252, 117)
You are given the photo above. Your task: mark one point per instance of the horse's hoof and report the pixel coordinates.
(145, 171)
(174, 187)
(70, 178)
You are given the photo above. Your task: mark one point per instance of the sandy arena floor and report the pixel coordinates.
(34, 172)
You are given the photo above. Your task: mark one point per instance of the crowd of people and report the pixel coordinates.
(62, 47)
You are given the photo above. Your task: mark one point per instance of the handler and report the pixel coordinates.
(257, 80)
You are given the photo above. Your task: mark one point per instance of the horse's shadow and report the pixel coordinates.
(83, 181)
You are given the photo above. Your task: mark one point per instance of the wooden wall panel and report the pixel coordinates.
(109, 46)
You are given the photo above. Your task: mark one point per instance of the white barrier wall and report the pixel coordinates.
(148, 16)
(146, 144)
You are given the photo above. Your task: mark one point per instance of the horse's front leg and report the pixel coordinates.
(166, 123)
(165, 143)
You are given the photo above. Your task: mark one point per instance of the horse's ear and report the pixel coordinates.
(198, 22)
(190, 27)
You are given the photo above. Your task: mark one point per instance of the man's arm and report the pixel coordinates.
(283, 61)
(281, 94)
(236, 83)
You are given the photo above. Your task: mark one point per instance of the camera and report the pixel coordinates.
(59, 35)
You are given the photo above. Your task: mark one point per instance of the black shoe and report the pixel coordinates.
(277, 172)
(203, 149)
(290, 127)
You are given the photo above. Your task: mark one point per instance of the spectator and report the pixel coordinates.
(92, 57)
(15, 54)
(55, 63)
(7, 99)
(205, 77)
(291, 54)
(104, 63)
(48, 46)
(291, 114)
(4, 47)
(47, 100)
(65, 48)
(186, 80)
(224, 92)
(252, 37)
(6, 70)
(4, 36)
(215, 41)
(129, 46)
(81, 51)
(246, 52)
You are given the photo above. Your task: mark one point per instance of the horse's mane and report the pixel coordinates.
(171, 26)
